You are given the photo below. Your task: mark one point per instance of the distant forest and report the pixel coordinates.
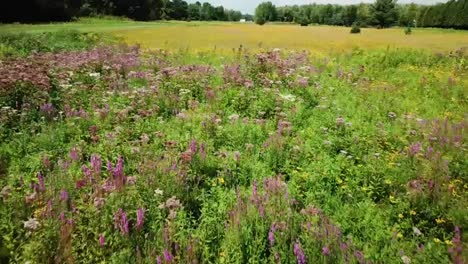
(382, 13)
(453, 14)
(144, 10)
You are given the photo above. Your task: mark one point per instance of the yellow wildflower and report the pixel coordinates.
(399, 235)
(401, 215)
(449, 242)
(436, 240)
(221, 180)
(440, 221)
(413, 212)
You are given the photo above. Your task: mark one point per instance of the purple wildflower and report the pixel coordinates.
(87, 172)
(202, 151)
(109, 166)
(168, 256)
(303, 82)
(63, 195)
(158, 260)
(140, 218)
(102, 240)
(414, 149)
(96, 163)
(326, 251)
(193, 146)
(299, 253)
(271, 235)
(254, 192)
(360, 257)
(121, 221)
(40, 177)
(74, 154)
(343, 246)
(261, 210)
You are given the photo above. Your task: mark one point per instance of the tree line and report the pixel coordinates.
(382, 13)
(64, 10)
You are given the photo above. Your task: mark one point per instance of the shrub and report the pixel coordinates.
(260, 21)
(355, 29)
(408, 31)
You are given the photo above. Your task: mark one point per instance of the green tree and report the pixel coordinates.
(264, 13)
(384, 13)
(194, 11)
(363, 15)
(350, 15)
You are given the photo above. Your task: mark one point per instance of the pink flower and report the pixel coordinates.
(140, 218)
(102, 240)
(299, 253)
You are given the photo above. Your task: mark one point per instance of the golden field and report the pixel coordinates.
(228, 36)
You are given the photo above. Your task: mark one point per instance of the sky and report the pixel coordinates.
(248, 6)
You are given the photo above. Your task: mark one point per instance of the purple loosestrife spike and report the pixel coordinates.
(360, 257)
(168, 256)
(74, 154)
(414, 149)
(158, 260)
(96, 163)
(202, 151)
(343, 246)
(326, 251)
(261, 210)
(102, 240)
(63, 195)
(193, 146)
(124, 224)
(299, 253)
(41, 182)
(271, 235)
(109, 166)
(121, 221)
(118, 171)
(140, 218)
(87, 172)
(254, 192)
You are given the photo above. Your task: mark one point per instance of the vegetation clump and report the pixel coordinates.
(355, 29)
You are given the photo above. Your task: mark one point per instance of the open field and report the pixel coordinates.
(196, 36)
(116, 154)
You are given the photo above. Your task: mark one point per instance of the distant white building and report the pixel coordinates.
(242, 20)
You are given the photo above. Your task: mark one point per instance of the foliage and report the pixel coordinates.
(144, 10)
(408, 31)
(264, 13)
(384, 13)
(355, 29)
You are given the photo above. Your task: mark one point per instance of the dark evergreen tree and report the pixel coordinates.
(384, 13)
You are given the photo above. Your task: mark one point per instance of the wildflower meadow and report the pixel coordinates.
(112, 153)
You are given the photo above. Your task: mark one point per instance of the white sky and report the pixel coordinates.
(248, 6)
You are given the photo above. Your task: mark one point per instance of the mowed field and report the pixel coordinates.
(223, 36)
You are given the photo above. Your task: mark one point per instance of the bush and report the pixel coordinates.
(355, 29)
(260, 21)
(408, 31)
